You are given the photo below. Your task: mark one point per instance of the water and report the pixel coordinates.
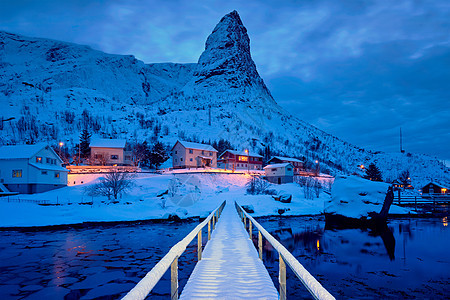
(408, 261)
(106, 262)
(88, 263)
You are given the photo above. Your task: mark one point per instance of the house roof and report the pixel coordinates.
(283, 165)
(20, 151)
(49, 167)
(242, 153)
(438, 184)
(108, 143)
(286, 158)
(198, 146)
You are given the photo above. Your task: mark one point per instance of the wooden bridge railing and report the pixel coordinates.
(170, 260)
(285, 257)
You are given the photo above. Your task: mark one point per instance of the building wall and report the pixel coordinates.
(6, 170)
(106, 153)
(280, 171)
(232, 162)
(280, 179)
(42, 176)
(32, 188)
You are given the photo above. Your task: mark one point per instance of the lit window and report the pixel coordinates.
(56, 174)
(38, 159)
(243, 158)
(114, 156)
(17, 173)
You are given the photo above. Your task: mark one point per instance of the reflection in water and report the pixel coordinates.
(360, 263)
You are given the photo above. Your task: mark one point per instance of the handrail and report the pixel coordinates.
(313, 286)
(170, 260)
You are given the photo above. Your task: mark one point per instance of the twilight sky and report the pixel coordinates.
(357, 69)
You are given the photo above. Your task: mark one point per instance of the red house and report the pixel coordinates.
(239, 160)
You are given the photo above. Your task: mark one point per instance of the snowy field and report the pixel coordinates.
(191, 195)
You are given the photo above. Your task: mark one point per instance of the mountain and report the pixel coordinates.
(53, 89)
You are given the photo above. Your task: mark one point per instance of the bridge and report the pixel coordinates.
(229, 266)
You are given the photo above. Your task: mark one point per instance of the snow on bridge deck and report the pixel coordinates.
(230, 267)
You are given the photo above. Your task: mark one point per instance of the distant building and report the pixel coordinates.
(110, 152)
(296, 163)
(29, 169)
(240, 160)
(434, 188)
(193, 155)
(280, 173)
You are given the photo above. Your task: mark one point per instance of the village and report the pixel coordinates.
(30, 169)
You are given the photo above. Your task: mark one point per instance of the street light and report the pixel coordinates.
(60, 145)
(248, 161)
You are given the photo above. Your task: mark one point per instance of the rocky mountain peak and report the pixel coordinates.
(227, 64)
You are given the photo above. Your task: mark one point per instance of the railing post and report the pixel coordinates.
(250, 229)
(174, 279)
(199, 245)
(214, 221)
(282, 279)
(260, 244)
(245, 221)
(209, 229)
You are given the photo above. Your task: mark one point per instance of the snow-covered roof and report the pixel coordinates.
(242, 153)
(20, 151)
(108, 143)
(49, 167)
(438, 184)
(198, 146)
(283, 165)
(286, 158)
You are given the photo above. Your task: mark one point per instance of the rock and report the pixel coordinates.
(162, 193)
(248, 208)
(285, 198)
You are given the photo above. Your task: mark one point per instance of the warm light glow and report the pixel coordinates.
(317, 161)
(243, 158)
(445, 221)
(61, 144)
(443, 190)
(246, 151)
(318, 245)
(361, 166)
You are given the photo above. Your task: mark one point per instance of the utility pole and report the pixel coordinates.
(209, 112)
(401, 145)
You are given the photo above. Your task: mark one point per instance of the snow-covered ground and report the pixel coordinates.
(191, 195)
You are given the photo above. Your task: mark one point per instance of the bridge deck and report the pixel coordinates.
(230, 267)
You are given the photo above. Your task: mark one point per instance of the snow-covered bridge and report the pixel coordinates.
(229, 267)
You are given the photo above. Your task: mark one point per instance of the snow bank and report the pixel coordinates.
(355, 197)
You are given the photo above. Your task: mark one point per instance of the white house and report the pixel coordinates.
(193, 155)
(280, 173)
(109, 152)
(29, 169)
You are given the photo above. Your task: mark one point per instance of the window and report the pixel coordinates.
(114, 156)
(274, 169)
(190, 159)
(175, 160)
(38, 159)
(17, 173)
(243, 158)
(181, 159)
(176, 152)
(210, 153)
(54, 161)
(203, 152)
(49, 160)
(191, 151)
(56, 174)
(289, 169)
(44, 172)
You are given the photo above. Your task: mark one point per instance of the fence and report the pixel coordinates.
(285, 257)
(145, 286)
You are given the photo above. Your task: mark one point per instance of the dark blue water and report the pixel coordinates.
(410, 260)
(106, 262)
(89, 263)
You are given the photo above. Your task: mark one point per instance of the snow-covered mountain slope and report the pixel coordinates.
(53, 89)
